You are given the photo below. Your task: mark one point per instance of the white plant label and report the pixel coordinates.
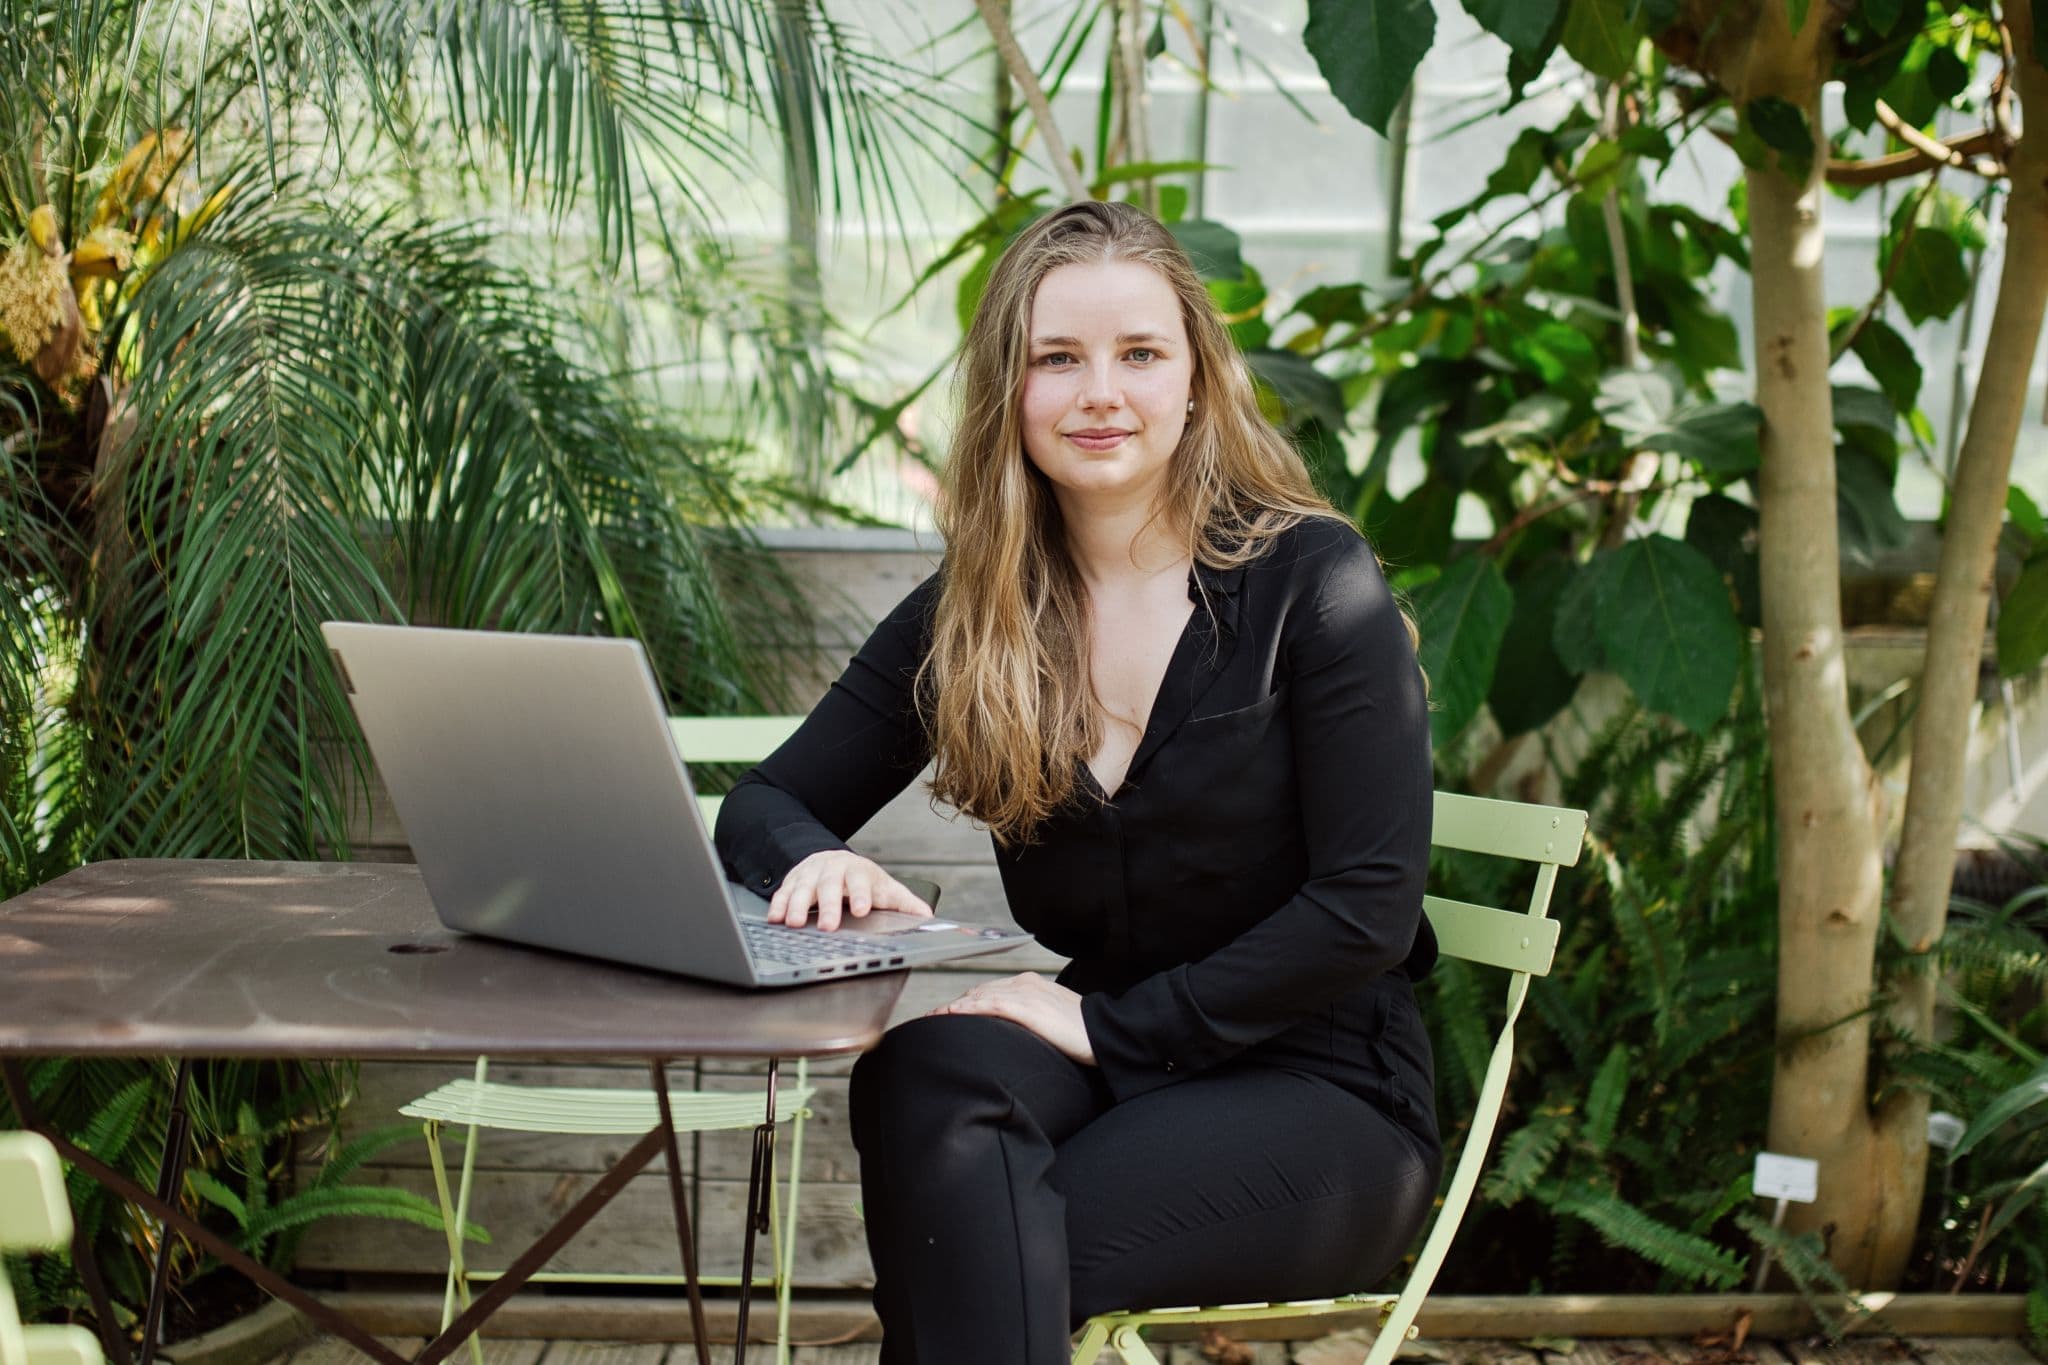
(1786, 1177)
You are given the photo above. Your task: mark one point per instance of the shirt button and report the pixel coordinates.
(1169, 1066)
(767, 881)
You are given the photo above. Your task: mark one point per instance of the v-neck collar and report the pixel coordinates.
(1199, 658)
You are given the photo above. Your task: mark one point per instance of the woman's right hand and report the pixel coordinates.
(834, 879)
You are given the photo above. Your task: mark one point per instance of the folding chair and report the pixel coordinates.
(35, 1216)
(480, 1103)
(1523, 943)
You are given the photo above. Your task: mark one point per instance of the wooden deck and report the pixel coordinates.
(1344, 1348)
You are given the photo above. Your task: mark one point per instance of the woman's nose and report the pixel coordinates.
(1101, 389)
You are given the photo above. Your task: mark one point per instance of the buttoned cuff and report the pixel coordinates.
(1150, 1035)
(767, 859)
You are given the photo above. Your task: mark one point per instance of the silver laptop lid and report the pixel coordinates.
(542, 796)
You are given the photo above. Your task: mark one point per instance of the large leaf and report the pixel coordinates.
(2023, 621)
(1867, 517)
(1524, 25)
(1891, 361)
(1306, 390)
(1368, 51)
(1463, 615)
(1602, 36)
(1214, 248)
(1575, 631)
(1667, 628)
(1645, 407)
(2002, 1110)
(1530, 683)
(1725, 531)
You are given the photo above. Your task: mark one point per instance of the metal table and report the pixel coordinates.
(188, 959)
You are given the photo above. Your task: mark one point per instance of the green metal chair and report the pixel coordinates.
(1523, 943)
(480, 1102)
(35, 1216)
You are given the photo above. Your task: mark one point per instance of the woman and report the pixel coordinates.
(1174, 685)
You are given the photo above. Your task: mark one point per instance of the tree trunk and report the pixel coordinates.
(1828, 798)
(1955, 637)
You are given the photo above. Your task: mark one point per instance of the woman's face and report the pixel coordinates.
(1107, 384)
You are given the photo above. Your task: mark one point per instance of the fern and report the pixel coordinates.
(364, 1201)
(1692, 1259)
(1804, 1257)
(1603, 1101)
(2037, 1317)
(1525, 1155)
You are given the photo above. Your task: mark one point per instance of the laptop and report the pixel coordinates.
(546, 803)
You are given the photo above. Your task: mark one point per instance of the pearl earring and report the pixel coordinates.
(1191, 407)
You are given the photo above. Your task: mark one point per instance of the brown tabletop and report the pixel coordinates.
(172, 957)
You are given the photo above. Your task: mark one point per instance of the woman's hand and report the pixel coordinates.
(834, 876)
(1045, 1007)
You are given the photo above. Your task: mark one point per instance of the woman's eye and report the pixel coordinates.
(1055, 359)
(1142, 354)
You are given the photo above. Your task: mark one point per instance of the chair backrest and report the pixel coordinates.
(1521, 941)
(34, 1213)
(728, 739)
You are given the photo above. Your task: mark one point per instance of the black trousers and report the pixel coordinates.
(1008, 1196)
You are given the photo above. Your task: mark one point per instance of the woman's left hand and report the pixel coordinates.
(1045, 1007)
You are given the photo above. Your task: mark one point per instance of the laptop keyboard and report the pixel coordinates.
(782, 943)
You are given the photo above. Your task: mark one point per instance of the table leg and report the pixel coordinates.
(685, 1236)
(170, 1173)
(760, 1180)
(111, 1339)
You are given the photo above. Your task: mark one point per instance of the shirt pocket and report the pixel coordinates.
(1228, 783)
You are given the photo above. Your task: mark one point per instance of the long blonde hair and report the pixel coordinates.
(1006, 690)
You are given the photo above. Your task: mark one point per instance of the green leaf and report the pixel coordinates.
(1604, 1097)
(1306, 390)
(2002, 1110)
(1725, 531)
(1530, 683)
(2025, 515)
(1462, 615)
(1528, 420)
(1867, 517)
(1368, 51)
(2023, 621)
(1667, 628)
(1620, 1224)
(1783, 128)
(1598, 165)
(1524, 25)
(210, 1189)
(1795, 11)
(1602, 35)
(1522, 166)
(1719, 437)
(1636, 403)
(1891, 361)
(1214, 248)
(2018, 1201)
(1933, 276)
(1148, 170)
(1576, 633)
(353, 1201)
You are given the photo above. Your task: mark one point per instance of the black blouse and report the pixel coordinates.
(1254, 888)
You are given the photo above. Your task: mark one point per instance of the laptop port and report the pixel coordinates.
(895, 962)
(825, 971)
(876, 963)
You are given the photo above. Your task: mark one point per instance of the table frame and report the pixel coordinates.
(362, 938)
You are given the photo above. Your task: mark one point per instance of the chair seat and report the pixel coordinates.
(567, 1109)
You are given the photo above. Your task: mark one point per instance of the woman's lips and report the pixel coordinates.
(1097, 440)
